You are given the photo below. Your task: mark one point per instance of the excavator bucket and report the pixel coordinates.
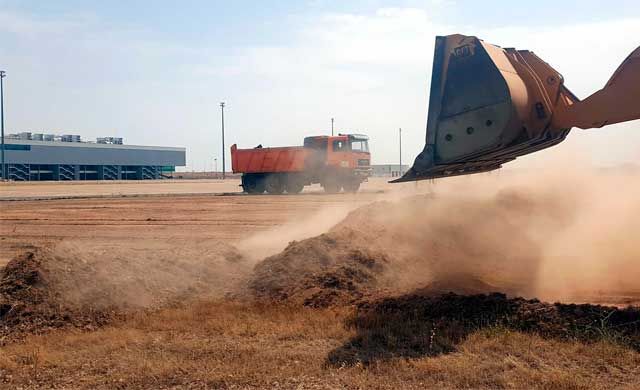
(489, 105)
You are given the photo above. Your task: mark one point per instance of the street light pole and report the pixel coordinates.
(215, 166)
(3, 74)
(223, 159)
(332, 127)
(400, 133)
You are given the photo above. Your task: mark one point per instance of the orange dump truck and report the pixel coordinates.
(340, 162)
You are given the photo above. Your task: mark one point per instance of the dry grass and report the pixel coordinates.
(235, 345)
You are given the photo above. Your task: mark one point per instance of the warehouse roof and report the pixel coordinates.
(14, 141)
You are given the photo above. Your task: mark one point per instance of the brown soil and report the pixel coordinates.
(388, 248)
(385, 249)
(319, 272)
(81, 263)
(416, 325)
(29, 304)
(59, 287)
(437, 273)
(386, 272)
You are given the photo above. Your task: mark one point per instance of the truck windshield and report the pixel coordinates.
(358, 145)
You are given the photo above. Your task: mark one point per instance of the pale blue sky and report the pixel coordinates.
(154, 72)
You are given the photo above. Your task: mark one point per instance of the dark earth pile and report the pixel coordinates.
(318, 272)
(417, 325)
(29, 305)
(329, 270)
(62, 286)
(392, 248)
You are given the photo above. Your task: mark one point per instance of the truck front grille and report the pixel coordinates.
(363, 162)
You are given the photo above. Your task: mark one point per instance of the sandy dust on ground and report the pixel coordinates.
(567, 236)
(512, 234)
(164, 217)
(104, 189)
(54, 189)
(412, 270)
(114, 255)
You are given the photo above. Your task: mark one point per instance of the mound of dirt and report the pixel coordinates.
(28, 304)
(71, 286)
(417, 325)
(464, 246)
(319, 272)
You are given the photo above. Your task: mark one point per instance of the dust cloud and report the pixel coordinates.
(567, 234)
(140, 273)
(583, 232)
(564, 233)
(272, 241)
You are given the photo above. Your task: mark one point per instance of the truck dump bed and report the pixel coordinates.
(269, 160)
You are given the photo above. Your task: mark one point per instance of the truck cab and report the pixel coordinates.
(343, 150)
(343, 161)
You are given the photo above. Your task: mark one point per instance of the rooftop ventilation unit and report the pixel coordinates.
(109, 140)
(70, 138)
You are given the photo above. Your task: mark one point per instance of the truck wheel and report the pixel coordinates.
(351, 186)
(274, 185)
(331, 186)
(294, 186)
(253, 184)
